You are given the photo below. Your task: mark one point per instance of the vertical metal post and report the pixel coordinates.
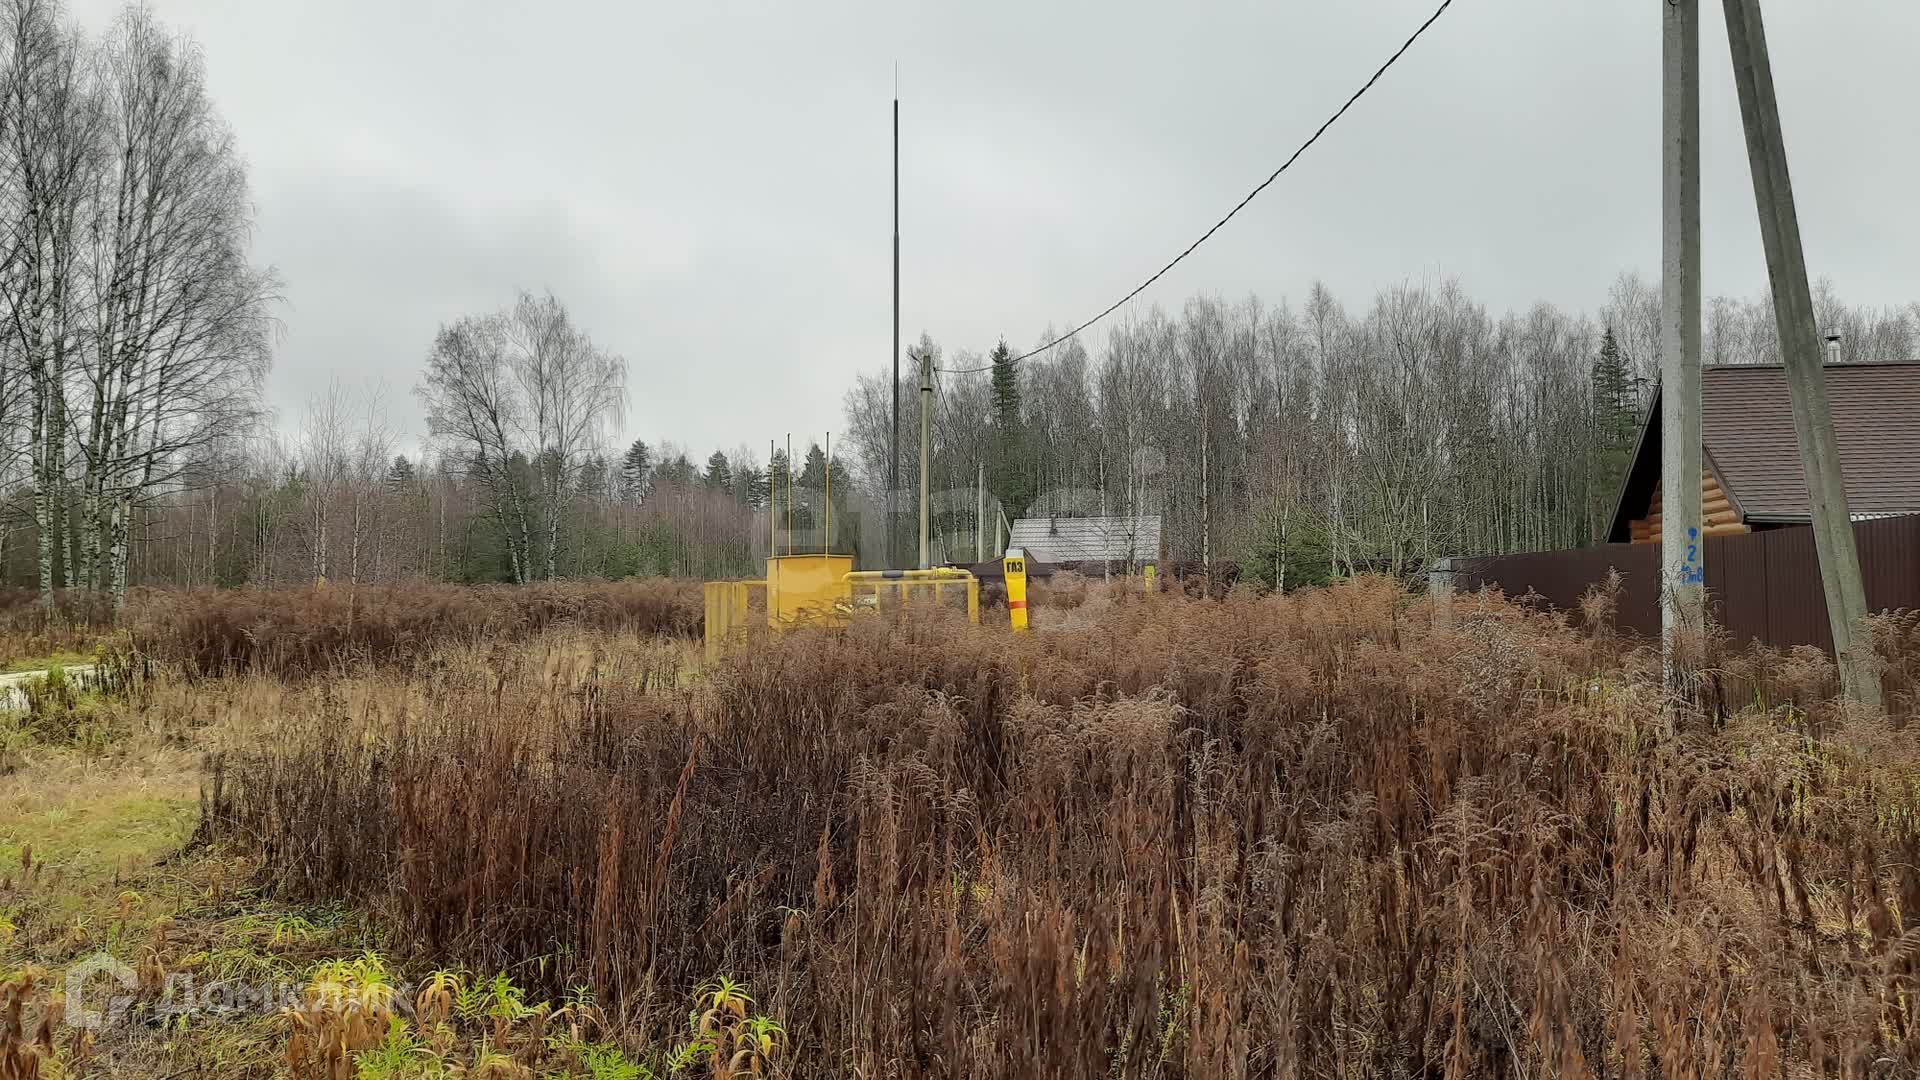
(826, 544)
(772, 548)
(893, 454)
(980, 517)
(1440, 592)
(926, 453)
(1800, 352)
(1682, 468)
(1106, 526)
(789, 492)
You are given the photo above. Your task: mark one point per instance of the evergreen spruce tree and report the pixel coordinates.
(676, 471)
(813, 474)
(777, 477)
(752, 488)
(400, 474)
(1616, 420)
(1010, 474)
(1616, 417)
(635, 469)
(591, 480)
(1006, 387)
(719, 476)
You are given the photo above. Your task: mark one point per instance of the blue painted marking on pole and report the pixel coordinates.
(1690, 571)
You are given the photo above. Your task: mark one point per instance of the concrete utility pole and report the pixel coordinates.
(893, 449)
(980, 517)
(1682, 535)
(926, 452)
(1800, 351)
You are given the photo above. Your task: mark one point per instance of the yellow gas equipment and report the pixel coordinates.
(805, 588)
(906, 584)
(1015, 567)
(824, 590)
(729, 608)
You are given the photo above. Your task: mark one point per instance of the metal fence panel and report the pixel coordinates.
(1762, 586)
(1737, 592)
(1561, 578)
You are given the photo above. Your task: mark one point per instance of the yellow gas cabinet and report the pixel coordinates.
(806, 588)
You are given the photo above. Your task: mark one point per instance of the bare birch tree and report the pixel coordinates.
(571, 391)
(469, 394)
(177, 320)
(323, 470)
(50, 121)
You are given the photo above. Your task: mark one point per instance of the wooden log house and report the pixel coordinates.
(1753, 478)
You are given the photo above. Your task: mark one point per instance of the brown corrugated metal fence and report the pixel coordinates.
(1763, 586)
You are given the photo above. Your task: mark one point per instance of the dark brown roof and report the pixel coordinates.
(1747, 419)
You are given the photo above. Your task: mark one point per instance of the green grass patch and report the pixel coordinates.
(42, 663)
(92, 840)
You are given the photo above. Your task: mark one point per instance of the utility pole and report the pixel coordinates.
(1800, 352)
(1682, 534)
(893, 455)
(926, 451)
(980, 517)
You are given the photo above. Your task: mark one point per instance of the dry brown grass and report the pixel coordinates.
(1896, 639)
(73, 623)
(292, 632)
(1300, 836)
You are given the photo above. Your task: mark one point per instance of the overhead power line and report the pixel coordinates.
(1241, 205)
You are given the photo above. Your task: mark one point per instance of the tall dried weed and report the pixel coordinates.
(1299, 836)
(299, 631)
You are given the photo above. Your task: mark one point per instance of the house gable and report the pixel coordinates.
(1752, 449)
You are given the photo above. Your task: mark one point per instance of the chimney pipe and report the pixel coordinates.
(1833, 348)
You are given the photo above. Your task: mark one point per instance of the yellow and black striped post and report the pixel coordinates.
(1015, 564)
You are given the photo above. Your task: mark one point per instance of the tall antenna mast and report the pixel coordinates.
(893, 456)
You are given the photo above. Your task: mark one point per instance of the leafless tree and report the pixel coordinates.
(50, 120)
(473, 408)
(571, 390)
(134, 325)
(370, 492)
(325, 467)
(173, 321)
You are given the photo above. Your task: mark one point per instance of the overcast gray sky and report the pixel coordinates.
(707, 184)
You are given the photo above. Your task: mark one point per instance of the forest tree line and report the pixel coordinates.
(1309, 440)
(1298, 442)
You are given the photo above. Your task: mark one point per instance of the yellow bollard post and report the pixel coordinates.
(1015, 564)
